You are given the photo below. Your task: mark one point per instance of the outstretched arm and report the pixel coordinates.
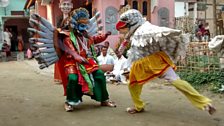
(100, 38)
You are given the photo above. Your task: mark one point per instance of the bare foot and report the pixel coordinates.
(109, 104)
(132, 110)
(68, 107)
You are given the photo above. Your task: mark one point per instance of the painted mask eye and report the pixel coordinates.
(124, 19)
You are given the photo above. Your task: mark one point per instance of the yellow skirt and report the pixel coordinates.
(150, 67)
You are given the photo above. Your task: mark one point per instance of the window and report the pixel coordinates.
(126, 2)
(135, 5)
(145, 8)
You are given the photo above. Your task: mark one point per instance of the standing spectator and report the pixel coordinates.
(207, 32)
(200, 32)
(7, 37)
(20, 55)
(5, 50)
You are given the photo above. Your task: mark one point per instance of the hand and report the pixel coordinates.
(81, 60)
(85, 61)
(108, 33)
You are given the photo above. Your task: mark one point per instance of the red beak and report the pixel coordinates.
(120, 25)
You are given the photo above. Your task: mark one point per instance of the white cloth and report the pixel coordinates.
(7, 38)
(111, 52)
(217, 44)
(170, 75)
(108, 59)
(118, 68)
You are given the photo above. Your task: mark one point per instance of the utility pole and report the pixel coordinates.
(214, 18)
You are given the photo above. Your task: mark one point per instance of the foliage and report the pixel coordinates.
(203, 61)
(214, 80)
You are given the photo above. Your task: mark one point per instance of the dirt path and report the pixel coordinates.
(29, 98)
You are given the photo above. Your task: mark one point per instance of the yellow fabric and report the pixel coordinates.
(196, 99)
(149, 67)
(135, 92)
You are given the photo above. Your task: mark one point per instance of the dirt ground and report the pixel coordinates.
(28, 97)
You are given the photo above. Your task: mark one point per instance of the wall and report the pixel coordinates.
(101, 6)
(170, 5)
(179, 9)
(14, 5)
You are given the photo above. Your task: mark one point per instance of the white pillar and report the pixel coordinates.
(49, 14)
(195, 11)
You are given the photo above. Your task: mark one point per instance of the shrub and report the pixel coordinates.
(214, 80)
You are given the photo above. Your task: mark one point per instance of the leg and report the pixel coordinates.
(196, 99)
(74, 92)
(100, 89)
(135, 91)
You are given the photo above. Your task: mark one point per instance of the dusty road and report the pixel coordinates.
(29, 98)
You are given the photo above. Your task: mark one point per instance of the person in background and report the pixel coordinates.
(109, 49)
(105, 58)
(119, 66)
(65, 7)
(97, 50)
(207, 32)
(20, 55)
(200, 32)
(7, 40)
(106, 62)
(5, 50)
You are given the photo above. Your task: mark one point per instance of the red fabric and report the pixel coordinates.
(67, 63)
(62, 73)
(20, 45)
(82, 82)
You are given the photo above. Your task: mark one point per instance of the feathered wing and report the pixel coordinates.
(42, 41)
(217, 44)
(153, 38)
(94, 25)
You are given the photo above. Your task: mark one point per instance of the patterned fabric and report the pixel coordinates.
(149, 67)
(79, 14)
(133, 18)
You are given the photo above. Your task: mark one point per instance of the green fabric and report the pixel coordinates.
(74, 40)
(94, 53)
(74, 90)
(86, 77)
(81, 67)
(100, 89)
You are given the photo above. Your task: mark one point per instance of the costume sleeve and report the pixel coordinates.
(99, 38)
(69, 49)
(123, 46)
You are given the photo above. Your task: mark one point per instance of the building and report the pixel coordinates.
(15, 19)
(157, 12)
(202, 11)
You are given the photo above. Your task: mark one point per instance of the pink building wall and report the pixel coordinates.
(101, 6)
(42, 10)
(169, 4)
